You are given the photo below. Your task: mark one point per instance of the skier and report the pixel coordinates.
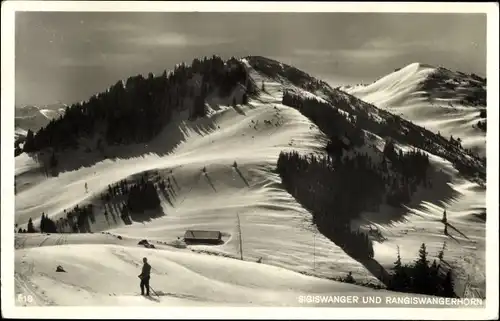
(86, 188)
(144, 276)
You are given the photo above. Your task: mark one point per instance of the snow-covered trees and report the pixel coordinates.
(47, 225)
(142, 197)
(422, 277)
(321, 185)
(326, 117)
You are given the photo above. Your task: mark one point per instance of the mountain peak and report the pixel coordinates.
(415, 66)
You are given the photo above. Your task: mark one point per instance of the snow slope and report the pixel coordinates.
(275, 229)
(105, 275)
(406, 93)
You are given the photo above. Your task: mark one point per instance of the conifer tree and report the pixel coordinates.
(29, 144)
(397, 263)
(422, 257)
(433, 278)
(441, 252)
(421, 271)
(31, 228)
(397, 282)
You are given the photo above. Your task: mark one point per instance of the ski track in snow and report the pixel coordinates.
(102, 269)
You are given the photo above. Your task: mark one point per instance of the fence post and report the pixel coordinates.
(239, 232)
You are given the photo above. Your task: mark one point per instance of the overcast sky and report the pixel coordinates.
(68, 56)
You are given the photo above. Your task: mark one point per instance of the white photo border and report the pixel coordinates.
(10, 310)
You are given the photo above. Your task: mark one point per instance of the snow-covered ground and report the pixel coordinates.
(399, 93)
(275, 229)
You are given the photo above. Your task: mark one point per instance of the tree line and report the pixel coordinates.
(136, 110)
(423, 277)
(138, 198)
(331, 189)
(361, 116)
(408, 170)
(336, 191)
(75, 220)
(408, 133)
(404, 131)
(343, 117)
(326, 117)
(419, 276)
(322, 184)
(321, 181)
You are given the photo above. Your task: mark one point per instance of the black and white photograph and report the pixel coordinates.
(201, 154)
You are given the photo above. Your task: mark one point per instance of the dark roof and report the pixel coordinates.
(202, 235)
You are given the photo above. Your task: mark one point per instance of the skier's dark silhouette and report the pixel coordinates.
(144, 276)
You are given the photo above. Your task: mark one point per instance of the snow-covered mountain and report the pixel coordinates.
(221, 174)
(444, 101)
(35, 117)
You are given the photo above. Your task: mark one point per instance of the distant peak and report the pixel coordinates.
(415, 66)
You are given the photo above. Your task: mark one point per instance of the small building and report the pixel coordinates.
(202, 237)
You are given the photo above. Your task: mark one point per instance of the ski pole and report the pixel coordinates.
(154, 292)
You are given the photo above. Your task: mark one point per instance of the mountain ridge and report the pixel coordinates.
(447, 102)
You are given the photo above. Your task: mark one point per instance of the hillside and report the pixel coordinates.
(219, 164)
(446, 102)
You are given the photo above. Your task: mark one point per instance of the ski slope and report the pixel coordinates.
(400, 93)
(106, 275)
(295, 258)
